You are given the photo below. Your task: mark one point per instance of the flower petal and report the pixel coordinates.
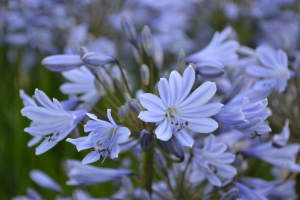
(93, 156)
(152, 103)
(148, 116)
(164, 92)
(163, 131)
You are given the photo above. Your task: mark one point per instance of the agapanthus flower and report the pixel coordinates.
(253, 194)
(274, 69)
(248, 118)
(177, 110)
(82, 82)
(50, 120)
(212, 162)
(81, 174)
(280, 157)
(218, 50)
(104, 138)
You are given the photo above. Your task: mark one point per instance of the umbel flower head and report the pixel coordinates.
(105, 138)
(177, 110)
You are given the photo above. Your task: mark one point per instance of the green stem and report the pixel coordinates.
(148, 169)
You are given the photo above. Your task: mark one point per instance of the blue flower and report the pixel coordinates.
(252, 194)
(280, 157)
(212, 162)
(274, 68)
(81, 174)
(177, 110)
(104, 138)
(217, 50)
(44, 180)
(50, 120)
(248, 118)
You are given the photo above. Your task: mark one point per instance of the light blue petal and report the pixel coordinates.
(93, 156)
(152, 103)
(163, 131)
(148, 116)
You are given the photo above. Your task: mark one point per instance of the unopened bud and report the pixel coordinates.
(146, 40)
(158, 54)
(235, 89)
(99, 88)
(231, 194)
(63, 62)
(75, 48)
(98, 59)
(134, 105)
(210, 69)
(129, 30)
(122, 113)
(145, 140)
(181, 61)
(145, 74)
(173, 147)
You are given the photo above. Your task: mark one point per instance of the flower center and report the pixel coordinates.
(177, 123)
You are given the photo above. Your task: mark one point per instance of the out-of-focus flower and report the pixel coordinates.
(176, 110)
(105, 138)
(60, 63)
(274, 70)
(44, 180)
(217, 50)
(213, 162)
(281, 139)
(81, 174)
(252, 194)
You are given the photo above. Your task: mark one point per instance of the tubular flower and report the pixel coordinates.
(105, 138)
(177, 110)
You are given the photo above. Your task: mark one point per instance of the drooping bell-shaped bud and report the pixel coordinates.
(146, 40)
(145, 75)
(122, 113)
(173, 146)
(128, 29)
(235, 89)
(158, 54)
(100, 89)
(75, 48)
(212, 69)
(134, 105)
(63, 62)
(98, 59)
(181, 61)
(145, 140)
(231, 194)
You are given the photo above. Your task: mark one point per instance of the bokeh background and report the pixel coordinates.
(20, 68)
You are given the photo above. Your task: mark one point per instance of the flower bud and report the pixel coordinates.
(99, 88)
(145, 74)
(173, 147)
(122, 113)
(44, 181)
(231, 194)
(134, 105)
(235, 89)
(181, 61)
(63, 62)
(146, 40)
(210, 69)
(98, 59)
(145, 140)
(128, 29)
(158, 54)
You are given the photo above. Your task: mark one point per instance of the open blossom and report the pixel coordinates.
(218, 50)
(274, 69)
(248, 118)
(49, 119)
(177, 110)
(213, 162)
(105, 138)
(82, 82)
